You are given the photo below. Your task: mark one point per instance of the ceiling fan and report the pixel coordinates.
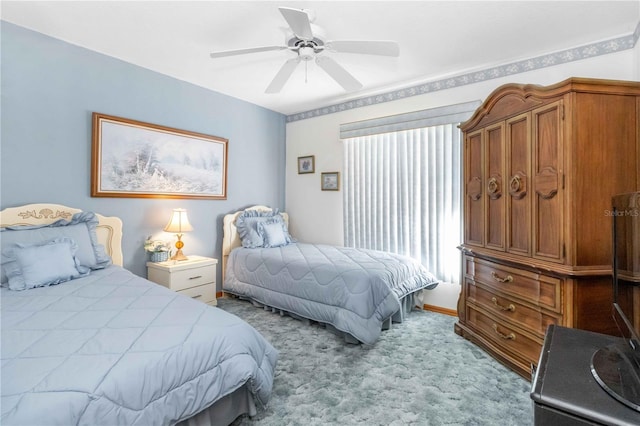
(308, 42)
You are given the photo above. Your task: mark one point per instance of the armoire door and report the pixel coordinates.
(548, 208)
(518, 182)
(474, 194)
(494, 187)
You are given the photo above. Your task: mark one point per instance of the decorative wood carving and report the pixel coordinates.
(474, 188)
(45, 214)
(546, 183)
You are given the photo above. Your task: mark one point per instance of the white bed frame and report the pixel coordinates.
(231, 238)
(109, 229)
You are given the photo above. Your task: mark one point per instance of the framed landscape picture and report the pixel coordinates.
(307, 164)
(330, 181)
(134, 159)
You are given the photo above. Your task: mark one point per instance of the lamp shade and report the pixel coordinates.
(179, 222)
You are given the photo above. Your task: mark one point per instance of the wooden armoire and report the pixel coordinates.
(540, 167)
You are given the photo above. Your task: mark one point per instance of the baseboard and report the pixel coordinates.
(440, 310)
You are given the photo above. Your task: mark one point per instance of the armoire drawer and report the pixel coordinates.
(510, 310)
(504, 335)
(538, 289)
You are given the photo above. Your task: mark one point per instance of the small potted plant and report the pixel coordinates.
(158, 251)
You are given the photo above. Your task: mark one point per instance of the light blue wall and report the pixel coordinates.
(50, 88)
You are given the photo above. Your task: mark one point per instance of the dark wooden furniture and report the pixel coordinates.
(540, 167)
(564, 391)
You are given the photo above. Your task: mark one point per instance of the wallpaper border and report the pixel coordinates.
(548, 60)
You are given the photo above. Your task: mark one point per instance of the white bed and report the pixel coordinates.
(354, 292)
(186, 363)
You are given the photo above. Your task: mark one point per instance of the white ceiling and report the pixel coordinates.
(436, 38)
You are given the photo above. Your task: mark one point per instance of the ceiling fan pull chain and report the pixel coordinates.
(306, 64)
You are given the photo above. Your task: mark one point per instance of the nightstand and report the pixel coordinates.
(195, 277)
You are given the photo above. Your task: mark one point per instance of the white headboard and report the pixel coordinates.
(231, 239)
(109, 229)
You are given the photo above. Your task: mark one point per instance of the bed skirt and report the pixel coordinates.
(224, 411)
(407, 304)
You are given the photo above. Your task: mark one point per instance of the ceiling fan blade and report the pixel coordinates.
(283, 75)
(298, 20)
(339, 74)
(381, 47)
(225, 53)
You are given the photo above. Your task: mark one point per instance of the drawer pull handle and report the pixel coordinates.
(197, 296)
(196, 277)
(497, 277)
(509, 308)
(509, 336)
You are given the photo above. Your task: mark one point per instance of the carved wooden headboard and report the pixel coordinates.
(231, 239)
(109, 229)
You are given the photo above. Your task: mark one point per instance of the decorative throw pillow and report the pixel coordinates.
(247, 226)
(81, 229)
(43, 264)
(273, 233)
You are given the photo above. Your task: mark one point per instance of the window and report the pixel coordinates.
(402, 190)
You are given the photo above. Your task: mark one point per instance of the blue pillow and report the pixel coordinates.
(81, 229)
(43, 264)
(273, 233)
(247, 226)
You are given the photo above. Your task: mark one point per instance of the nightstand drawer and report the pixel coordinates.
(187, 278)
(176, 276)
(204, 293)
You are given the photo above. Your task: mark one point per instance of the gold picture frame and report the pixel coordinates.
(330, 181)
(133, 159)
(306, 164)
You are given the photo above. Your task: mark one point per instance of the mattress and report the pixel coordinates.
(353, 290)
(113, 348)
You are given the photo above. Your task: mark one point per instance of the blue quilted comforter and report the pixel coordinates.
(115, 349)
(354, 290)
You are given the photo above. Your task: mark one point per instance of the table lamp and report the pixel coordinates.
(178, 224)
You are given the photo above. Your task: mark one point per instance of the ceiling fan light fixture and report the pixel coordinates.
(306, 53)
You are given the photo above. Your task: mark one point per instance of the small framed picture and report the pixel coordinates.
(330, 181)
(307, 164)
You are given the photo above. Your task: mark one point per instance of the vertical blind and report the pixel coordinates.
(402, 193)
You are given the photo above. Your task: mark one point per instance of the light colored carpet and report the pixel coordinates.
(418, 373)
